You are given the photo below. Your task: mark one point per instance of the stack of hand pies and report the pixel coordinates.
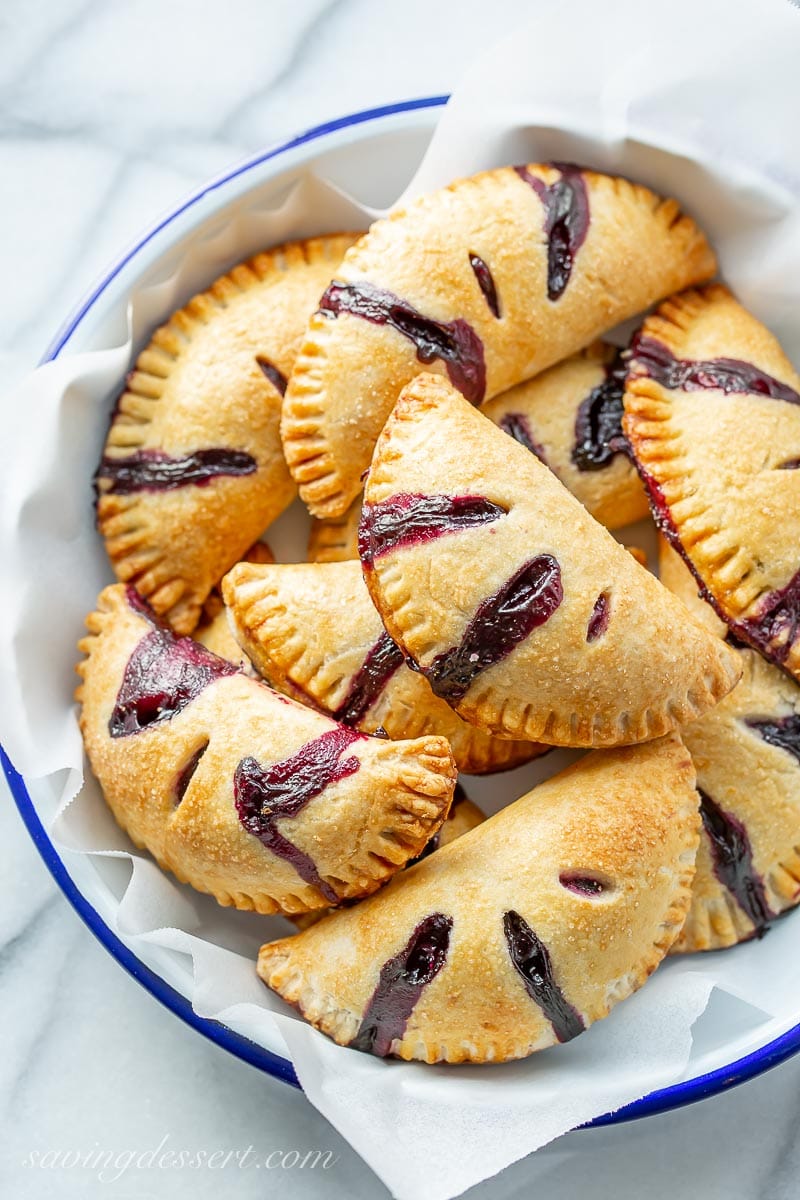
(287, 737)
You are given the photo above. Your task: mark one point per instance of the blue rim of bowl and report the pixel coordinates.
(675, 1096)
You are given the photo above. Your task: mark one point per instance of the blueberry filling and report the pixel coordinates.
(728, 375)
(455, 343)
(598, 422)
(400, 985)
(153, 471)
(516, 426)
(733, 861)
(581, 884)
(501, 623)
(162, 676)
(383, 659)
(598, 621)
(187, 772)
(566, 221)
(485, 283)
(273, 374)
(532, 960)
(407, 519)
(264, 795)
(783, 732)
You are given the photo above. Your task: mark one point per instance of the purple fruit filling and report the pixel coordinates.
(581, 883)
(455, 343)
(516, 426)
(499, 625)
(153, 471)
(401, 983)
(186, 774)
(730, 375)
(598, 621)
(383, 659)
(162, 676)
(733, 861)
(532, 960)
(566, 221)
(407, 519)
(598, 422)
(273, 374)
(783, 732)
(485, 283)
(264, 795)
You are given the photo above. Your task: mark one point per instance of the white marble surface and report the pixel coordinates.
(110, 112)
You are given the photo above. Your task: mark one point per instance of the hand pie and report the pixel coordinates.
(214, 631)
(518, 935)
(311, 630)
(463, 816)
(489, 280)
(237, 790)
(193, 471)
(712, 413)
(747, 756)
(518, 608)
(335, 539)
(570, 417)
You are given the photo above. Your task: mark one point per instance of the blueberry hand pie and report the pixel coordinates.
(463, 816)
(519, 608)
(570, 417)
(193, 471)
(239, 791)
(519, 934)
(488, 281)
(712, 411)
(747, 756)
(312, 631)
(335, 539)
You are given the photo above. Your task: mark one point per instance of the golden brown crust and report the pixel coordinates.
(357, 831)
(720, 466)
(545, 409)
(199, 386)
(214, 631)
(335, 539)
(638, 248)
(308, 628)
(627, 819)
(753, 782)
(651, 670)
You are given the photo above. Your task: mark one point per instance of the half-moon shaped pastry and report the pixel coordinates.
(518, 607)
(335, 539)
(489, 280)
(570, 417)
(463, 816)
(239, 791)
(214, 631)
(747, 756)
(519, 934)
(193, 471)
(712, 411)
(311, 630)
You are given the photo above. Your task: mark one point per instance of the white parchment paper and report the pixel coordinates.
(699, 100)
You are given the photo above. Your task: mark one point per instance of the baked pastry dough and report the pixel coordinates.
(311, 631)
(570, 417)
(490, 280)
(712, 411)
(747, 756)
(463, 816)
(193, 470)
(521, 933)
(335, 539)
(214, 631)
(240, 792)
(520, 610)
